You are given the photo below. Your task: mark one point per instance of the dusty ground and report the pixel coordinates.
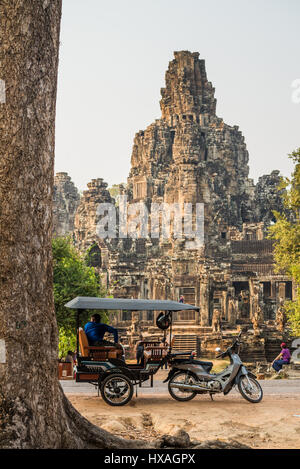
(273, 423)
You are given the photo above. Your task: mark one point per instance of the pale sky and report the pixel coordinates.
(114, 55)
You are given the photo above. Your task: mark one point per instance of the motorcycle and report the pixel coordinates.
(189, 377)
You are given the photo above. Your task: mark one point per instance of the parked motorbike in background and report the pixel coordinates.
(189, 377)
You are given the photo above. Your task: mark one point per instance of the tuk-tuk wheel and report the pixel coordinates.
(116, 389)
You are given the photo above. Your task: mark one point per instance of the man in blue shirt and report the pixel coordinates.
(95, 331)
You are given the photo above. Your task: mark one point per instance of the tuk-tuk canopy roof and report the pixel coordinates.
(87, 302)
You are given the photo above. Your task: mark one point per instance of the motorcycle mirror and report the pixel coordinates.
(163, 320)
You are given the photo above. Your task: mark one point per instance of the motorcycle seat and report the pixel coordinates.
(207, 365)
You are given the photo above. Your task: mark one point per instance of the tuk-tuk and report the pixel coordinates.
(105, 366)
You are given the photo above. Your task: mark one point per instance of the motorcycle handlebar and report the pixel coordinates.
(236, 342)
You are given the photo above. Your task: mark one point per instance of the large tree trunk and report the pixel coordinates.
(34, 413)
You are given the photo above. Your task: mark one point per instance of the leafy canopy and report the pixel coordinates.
(286, 233)
(72, 277)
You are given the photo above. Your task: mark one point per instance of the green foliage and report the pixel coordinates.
(72, 277)
(92, 256)
(286, 233)
(114, 191)
(287, 246)
(67, 341)
(292, 309)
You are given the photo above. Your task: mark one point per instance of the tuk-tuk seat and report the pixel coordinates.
(154, 350)
(154, 353)
(96, 352)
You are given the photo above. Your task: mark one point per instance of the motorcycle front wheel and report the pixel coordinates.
(250, 389)
(181, 394)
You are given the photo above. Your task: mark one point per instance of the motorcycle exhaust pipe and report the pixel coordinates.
(188, 387)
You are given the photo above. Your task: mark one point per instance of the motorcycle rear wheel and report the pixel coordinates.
(182, 378)
(116, 389)
(250, 389)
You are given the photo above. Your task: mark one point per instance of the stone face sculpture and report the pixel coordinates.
(244, 304)
(216, 321)
(255, 299)
(256, 320)
(281, 317)
(66, 200)
(256, 311)
(232, 310)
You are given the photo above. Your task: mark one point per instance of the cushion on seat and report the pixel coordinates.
(97, 352)
(154, 353)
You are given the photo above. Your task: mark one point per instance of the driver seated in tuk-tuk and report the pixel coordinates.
(95, 331)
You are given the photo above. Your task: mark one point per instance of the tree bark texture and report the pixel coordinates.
(34, 413)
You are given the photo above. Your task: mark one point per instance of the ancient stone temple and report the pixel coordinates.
(190, 156)
(66, 201)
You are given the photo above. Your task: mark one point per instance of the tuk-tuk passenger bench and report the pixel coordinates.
(154, 351)
(98, 352)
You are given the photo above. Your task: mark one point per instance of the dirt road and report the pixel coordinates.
(273, 423)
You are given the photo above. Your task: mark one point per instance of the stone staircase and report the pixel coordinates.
(186, 343)
(252, 354)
